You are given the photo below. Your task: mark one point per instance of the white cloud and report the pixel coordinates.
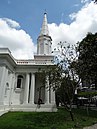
(17, 40)
(84, 21)
(11, 23)
(85, 1)
(22, 46)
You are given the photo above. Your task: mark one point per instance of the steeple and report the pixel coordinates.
(44, 29)
(44, 40)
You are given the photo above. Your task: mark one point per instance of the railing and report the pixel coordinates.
(34, 62)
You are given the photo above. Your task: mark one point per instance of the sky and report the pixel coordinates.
(21, 21)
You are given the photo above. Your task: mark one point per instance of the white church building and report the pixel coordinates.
(19, 83)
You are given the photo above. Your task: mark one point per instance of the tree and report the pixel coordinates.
(62, 76)
(86, 65)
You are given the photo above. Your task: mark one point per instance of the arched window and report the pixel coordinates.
(19, 81)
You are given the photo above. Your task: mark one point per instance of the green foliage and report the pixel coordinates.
(53, 73)
(67, 90)
(87, 94)
(86, 66)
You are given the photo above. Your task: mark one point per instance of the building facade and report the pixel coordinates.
(20, 85)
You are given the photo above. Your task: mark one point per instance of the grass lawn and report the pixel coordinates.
(47, 120)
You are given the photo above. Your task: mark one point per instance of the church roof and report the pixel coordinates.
(44, 29)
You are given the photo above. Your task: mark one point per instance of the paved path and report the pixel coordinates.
(91, 127)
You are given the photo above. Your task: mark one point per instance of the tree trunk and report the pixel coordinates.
(71, 114)
(72, 117)
(69, 109)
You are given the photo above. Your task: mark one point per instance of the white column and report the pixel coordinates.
(52, 96)
(26, 90)
(47, 91)
(32, 90)
(3, 84)
(11, 88)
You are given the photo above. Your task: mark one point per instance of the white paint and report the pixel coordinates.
(26, 97)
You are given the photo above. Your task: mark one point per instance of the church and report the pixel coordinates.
(19, 83)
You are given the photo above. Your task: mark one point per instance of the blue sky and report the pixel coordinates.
(21, 21)
(29, 13)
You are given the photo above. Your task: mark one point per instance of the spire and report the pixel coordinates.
(44, 40)
(44, 29)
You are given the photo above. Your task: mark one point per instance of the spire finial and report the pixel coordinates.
(44, 29)
(45, 12)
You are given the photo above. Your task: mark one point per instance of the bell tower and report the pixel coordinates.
(44, 40)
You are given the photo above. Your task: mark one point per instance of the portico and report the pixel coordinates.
(33, 90)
